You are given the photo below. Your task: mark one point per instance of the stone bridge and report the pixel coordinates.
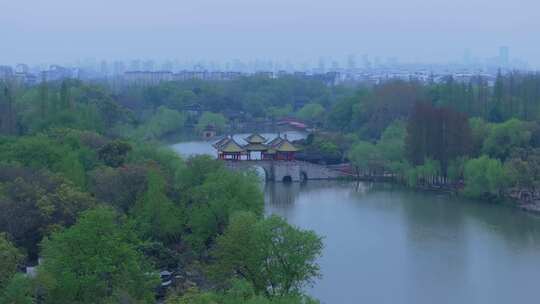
(280, 171)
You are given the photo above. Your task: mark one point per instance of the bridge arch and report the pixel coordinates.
(296, 171)
(262, 172)
(287, 179)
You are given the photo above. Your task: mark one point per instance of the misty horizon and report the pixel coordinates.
(301, 32)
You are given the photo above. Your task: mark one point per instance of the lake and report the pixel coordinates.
(388, 244)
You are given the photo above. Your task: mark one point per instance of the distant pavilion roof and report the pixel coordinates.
(228, 145)
(281, 145)
(220, 142)
(274, 141)
(255, 139)
(285, 146)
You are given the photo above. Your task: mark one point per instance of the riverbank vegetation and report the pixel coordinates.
(114, 218)
(473, 138)
(85, 187)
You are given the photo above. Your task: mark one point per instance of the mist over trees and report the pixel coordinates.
(85, 184)
(85, 187)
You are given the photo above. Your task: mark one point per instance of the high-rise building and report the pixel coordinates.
(104, 68)
(119, 68)
(135, 65)
(148, 65)
(351, 62)
(322, 65)
(504, 55)
(335, 65)
(366, 62)
(467, 57)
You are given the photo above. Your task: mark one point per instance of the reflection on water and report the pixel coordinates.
(385, 244)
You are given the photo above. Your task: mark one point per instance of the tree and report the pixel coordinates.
(211, 119)
(340, 115)
(484, 177)
(155, 216)
(198, 169)
(10, 257)
(163, 122)
(119, 187)
(312, 112)
(441, 134)
(278, 259)
(33, 204)
(95, 261)
(240, 292)
(65, 96)
(391, 146)
(19, 290)
(114, 153)
(479, 132)
(519, 173)
(8, 117)
(210, 206)
(365, 157)
(43, 98)
(506, 136)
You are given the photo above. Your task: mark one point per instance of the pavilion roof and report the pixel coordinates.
(231, 146)
(274, 141)
(285, 146)
(220, 142)
(255, 139)
(282, 145)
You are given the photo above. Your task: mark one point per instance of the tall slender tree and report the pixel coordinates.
(43, 98)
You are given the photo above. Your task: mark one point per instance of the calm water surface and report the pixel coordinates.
(386, 244)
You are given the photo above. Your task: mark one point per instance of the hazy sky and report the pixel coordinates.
(413, 30)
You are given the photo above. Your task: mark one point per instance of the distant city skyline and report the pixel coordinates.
(502, 59)
(425, 31)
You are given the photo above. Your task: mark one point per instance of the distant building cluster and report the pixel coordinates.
(352, 70)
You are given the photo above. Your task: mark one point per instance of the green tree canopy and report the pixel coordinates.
(10, 257)
(278, 259)
(155, 215)
(163, 122)
(222, 193)
(216, 120)
(240, 292)
(484, 176)
(506, 136)
(19, 290)
(312, 112)
(95, 261)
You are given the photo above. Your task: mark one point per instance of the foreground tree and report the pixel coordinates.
(222, 194)
(276, 258)
(10, 257)
(240, 292)
(155, 215)
(33, 204)
(19, 290)
(95, 261)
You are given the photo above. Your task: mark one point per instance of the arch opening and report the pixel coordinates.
(261, 173)
(287, 179)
